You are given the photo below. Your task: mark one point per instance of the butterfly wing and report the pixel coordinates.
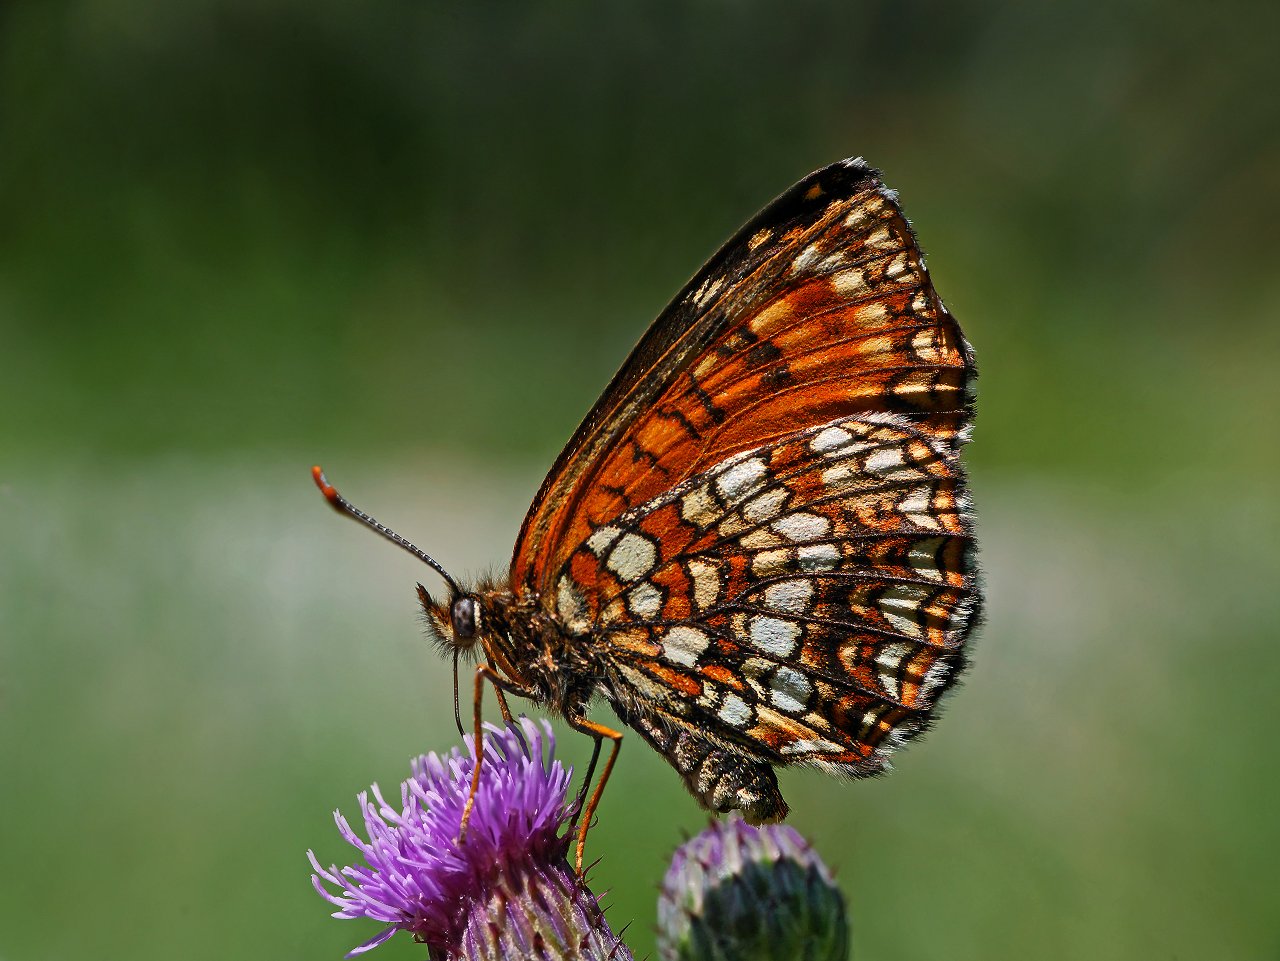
(761, 523)
(803, 602)
(819, 307)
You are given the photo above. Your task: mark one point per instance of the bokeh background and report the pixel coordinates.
(411, 241)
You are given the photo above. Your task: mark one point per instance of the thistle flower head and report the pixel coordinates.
(742, 893)
(507, 890)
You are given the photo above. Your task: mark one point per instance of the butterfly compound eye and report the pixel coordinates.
(465, 615)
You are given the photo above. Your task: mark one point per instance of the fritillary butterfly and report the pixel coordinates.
(757, 547)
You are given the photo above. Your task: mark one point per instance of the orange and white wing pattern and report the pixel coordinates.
(804, 602)
(762, 522)
(820, 307)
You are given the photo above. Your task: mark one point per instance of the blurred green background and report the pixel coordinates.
(411, 241)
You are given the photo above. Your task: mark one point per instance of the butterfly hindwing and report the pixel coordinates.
(721, 777)
(805, 602)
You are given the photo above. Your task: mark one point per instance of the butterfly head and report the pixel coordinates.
(476, 623)
(457, 622)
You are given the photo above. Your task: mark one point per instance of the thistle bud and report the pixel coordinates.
(742, 893)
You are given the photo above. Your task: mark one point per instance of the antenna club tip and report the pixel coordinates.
(328, 490)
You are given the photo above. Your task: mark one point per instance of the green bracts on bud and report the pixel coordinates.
(740, 893)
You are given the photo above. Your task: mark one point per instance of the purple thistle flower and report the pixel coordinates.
(507, 891)
(742, 893)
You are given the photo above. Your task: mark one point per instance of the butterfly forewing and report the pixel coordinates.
(819, 308)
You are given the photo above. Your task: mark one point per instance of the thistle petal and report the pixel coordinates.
(507, 891)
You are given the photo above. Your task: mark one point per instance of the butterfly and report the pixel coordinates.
(758, 546)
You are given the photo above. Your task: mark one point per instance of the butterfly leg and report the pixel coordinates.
(502, 706)
(484, 673)
(502, 698)
(598, 732)
(507, 719)
(586, 781)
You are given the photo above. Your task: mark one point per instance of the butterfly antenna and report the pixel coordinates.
(344, 506)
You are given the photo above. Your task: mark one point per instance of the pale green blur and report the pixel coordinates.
(412, 241)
